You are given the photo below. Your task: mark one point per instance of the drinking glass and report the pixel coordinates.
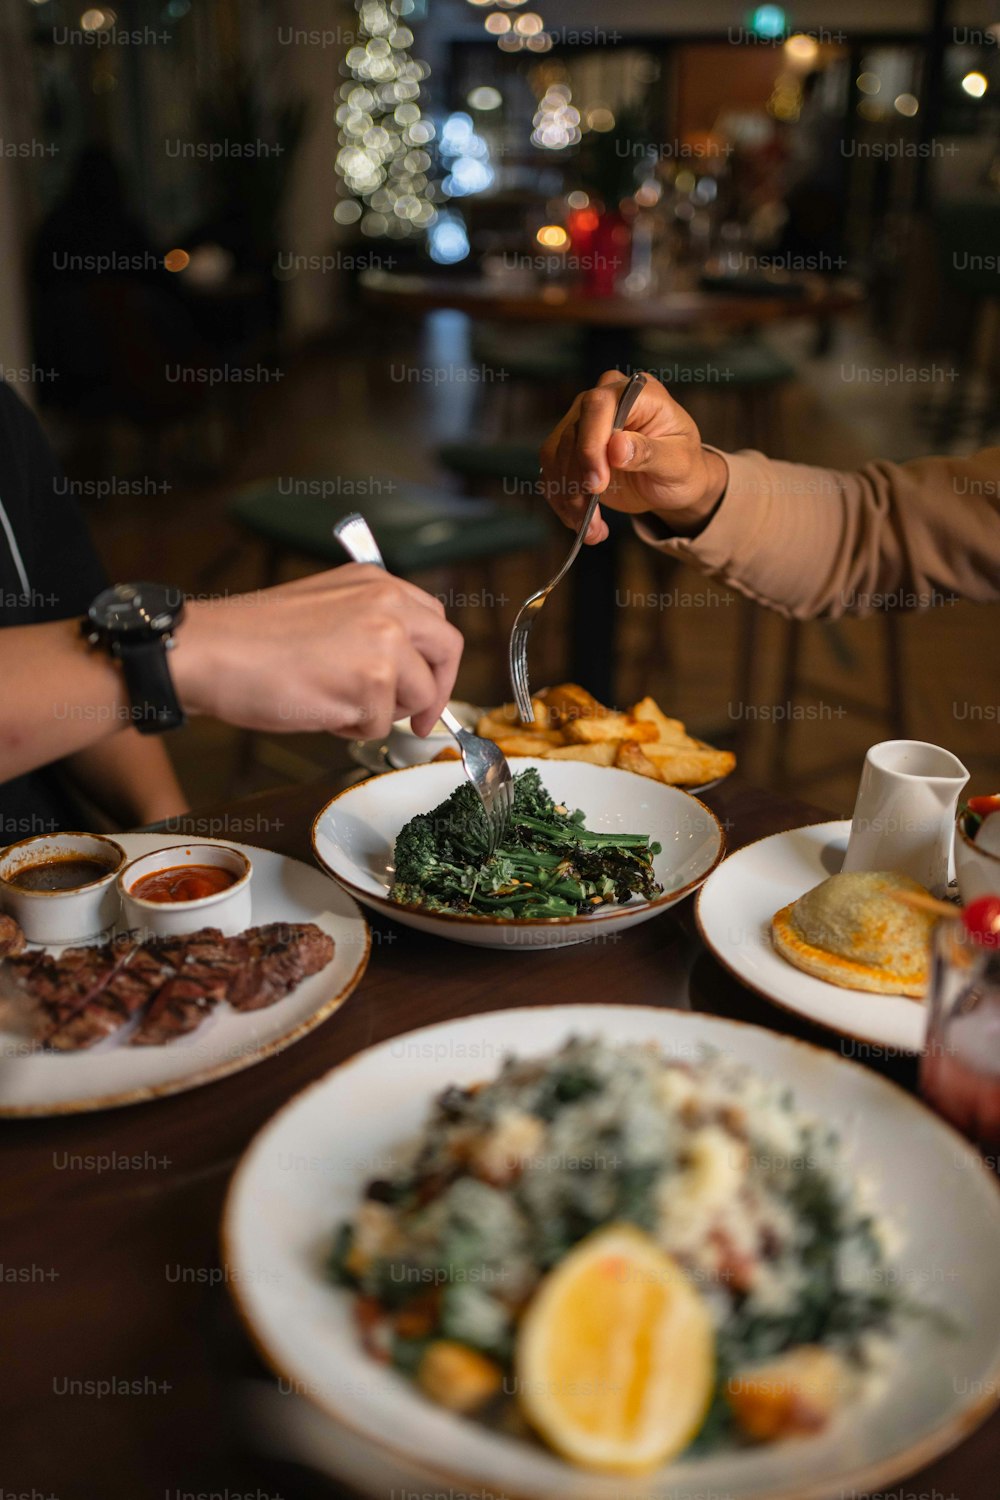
(960, 1064)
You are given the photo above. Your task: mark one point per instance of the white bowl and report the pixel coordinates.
(354, 835)
(228, 910)
(407, 749)
(62, 916)
(978, 870)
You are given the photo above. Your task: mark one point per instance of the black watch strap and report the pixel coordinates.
(155, 706)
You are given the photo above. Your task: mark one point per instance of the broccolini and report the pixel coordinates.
(550, 865)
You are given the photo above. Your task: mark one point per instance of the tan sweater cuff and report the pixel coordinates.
(733, 530)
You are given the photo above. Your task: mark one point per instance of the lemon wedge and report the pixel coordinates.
(615, 1357)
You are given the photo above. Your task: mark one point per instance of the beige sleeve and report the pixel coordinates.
(813, 542)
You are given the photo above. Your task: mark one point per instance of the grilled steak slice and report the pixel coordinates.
(127, 990)
(60, 990)
(280, 955)
(201, 970)
(180, 1007)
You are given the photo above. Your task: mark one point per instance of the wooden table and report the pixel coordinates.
(109, 1222)
(681, 308)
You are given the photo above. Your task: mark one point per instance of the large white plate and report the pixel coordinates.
(353, 838)
(33, 1082)
(734, 914)
(304, 1172)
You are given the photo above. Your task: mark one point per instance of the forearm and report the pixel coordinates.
(130, 777)
(58, 697)
(810, 541)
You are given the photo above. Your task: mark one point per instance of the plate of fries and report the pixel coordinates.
(570, 724)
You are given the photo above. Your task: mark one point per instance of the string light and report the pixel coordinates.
(468, 156)
(556, 120)
(527, 30)
(383, 135)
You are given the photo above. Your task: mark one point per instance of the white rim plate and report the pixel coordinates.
(354, 835)
(734, 912)
(304, 1172)
(33, 1082)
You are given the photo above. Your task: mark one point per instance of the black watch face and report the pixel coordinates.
(138, 609)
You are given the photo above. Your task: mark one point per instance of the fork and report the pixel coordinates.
(484, 762)
(532, 605)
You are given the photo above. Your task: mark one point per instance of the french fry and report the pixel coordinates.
(505, 720)
(682, 767)
(526, 744)
(569, 702)
(570, 724)
(668, 731)
(632, 757)
(602, 754)
(448, 753)
(543, 714)
(610, 726)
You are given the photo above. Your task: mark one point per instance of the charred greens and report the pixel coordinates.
(550, 865)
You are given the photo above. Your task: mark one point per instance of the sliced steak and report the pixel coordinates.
(87, 994)
(179, 1008)
(129, 987)
(201, 968)
(58, 991)
(280, 955)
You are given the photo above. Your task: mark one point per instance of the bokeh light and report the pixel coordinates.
(382, 128)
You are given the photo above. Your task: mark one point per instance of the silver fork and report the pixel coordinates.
(485, 764)
(532, 605)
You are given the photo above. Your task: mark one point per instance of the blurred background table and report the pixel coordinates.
(685, 307)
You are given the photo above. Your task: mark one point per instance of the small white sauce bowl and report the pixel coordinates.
(228, 910)
(977, 869)
(55, 917)
(405, 748)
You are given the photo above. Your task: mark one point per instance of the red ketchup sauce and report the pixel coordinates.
(183, 883)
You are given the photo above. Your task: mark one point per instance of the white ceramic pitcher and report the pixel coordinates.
(904, 816)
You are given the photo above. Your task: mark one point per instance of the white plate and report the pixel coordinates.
(353, 838)
(304, 1172)
(33, 1082)
(734, 912)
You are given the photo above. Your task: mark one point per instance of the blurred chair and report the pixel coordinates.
(515, 466)
(419, 529)
(738, 384)
(524, 360)
(890, 711)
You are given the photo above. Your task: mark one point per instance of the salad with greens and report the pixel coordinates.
(750, 1196)
(550, 865)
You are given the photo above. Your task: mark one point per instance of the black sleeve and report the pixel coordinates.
(41, 525)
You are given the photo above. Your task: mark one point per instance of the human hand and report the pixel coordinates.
(347, 651)
(656, 463)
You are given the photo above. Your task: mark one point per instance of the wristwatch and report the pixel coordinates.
(135, 624)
